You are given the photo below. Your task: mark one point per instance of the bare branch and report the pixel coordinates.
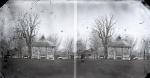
(27, 25)
(104, 30)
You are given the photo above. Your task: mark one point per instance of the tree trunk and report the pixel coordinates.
(144, 55)
(68, 55)
(20, 52)
(30, 51)
(97, 56)
(105, 52)
(54, 54)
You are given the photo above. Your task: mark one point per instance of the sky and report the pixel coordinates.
(57, 16)
(132, 18)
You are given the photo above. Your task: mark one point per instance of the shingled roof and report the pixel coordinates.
(42, 44)
(120, 44)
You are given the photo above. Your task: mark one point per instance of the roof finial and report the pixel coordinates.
(42, 38)
(118, 38)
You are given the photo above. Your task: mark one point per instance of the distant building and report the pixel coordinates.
(43, 49)
(64, 55)
(119, 49)
(89, 53)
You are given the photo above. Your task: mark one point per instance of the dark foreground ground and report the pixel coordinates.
(113, 69)
(27, 68)
(33, 68)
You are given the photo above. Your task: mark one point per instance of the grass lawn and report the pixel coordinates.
(112, 69)
(32, 68)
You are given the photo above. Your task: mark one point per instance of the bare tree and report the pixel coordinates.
(3, 47)
(95, 43)
(145, 52)
(19, 41)
(6, 43)
(146, 47)
(27, 25)
(1, 28)
(54, 38)
(69, 46)
(6, 36)
(81, 46)
(132, 43)
(104, 30)
(3, 41)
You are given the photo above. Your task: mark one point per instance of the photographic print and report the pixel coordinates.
(75, 39)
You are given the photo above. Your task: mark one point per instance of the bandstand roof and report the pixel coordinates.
(119, 44)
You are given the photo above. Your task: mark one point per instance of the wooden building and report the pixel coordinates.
(119, 50)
